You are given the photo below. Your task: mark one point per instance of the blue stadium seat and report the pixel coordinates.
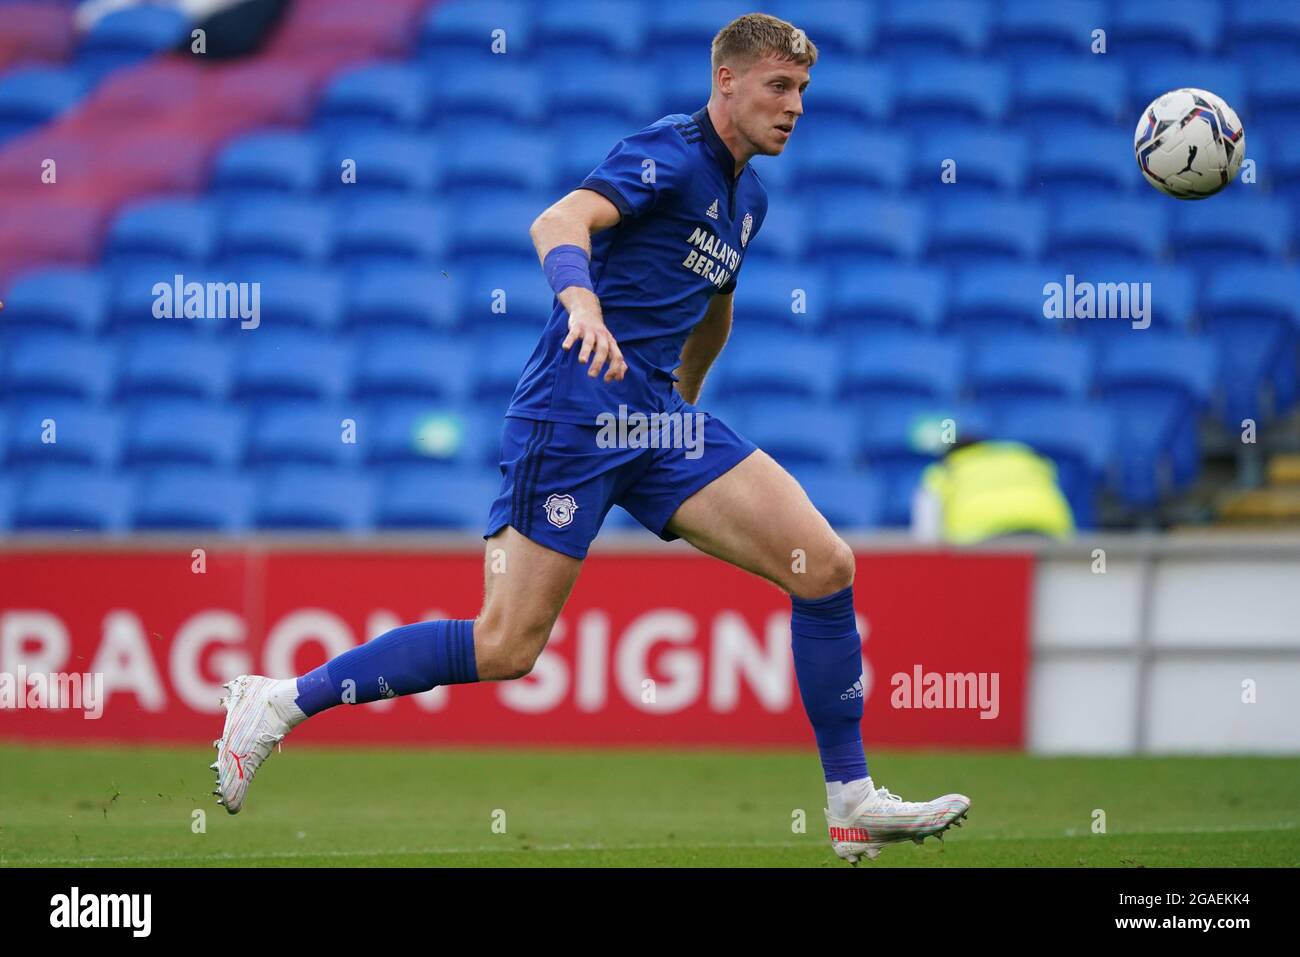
(183, 433)
(1091, 160)
(409, 296)
(1274, 98)
(391, 230)
(935, 28)
(493, 158)
(831, 157)
(376, 96)
(1239, 227)
(844, 30)
(583, 28)
(1264, 29)
(1171, 305)
(58, 298)
(1003, 297)
(70, 499)
(1068, 92)
(785, 234)
(1015, 368)
(173, 365)
(1028, 29)
(690, 27)
(8, 497)
(799, 433)
(386, 161)
(899, 365)
(1268, 291)
(291, 365)
(496, 226)
(411, 366)
(454, 28)
(955, 93)
(172, 228)
(35, 95)
(599, 88)
(776, 364)
(314, 498)
(310, 297)
(850, 499)
(504, 293)
(270, 161)
(977, 231)
(497, 87)
(857, 227)
(63, 433)
(128, 35)
(682, 86)
(435, 497)
(500, 363)
(783, 295)
(428, 433)
(854, 90)
(57, 367)
(1103, 227)
(990, 160)
(1224, 77)
(1140, 32)
(583, 144)
(189, 498)
(131, 299)
(308, 433)
(278, 231)
(895, 297)
(1078, 436)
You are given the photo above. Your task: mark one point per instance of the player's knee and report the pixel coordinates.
(834, 572)
(505, 652)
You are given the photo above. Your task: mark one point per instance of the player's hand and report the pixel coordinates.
(598, 345)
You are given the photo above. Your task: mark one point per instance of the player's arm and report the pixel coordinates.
(703, 345)
(562, 237)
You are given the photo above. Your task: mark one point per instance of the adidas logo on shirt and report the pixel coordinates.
(853, 692)
(712, 211)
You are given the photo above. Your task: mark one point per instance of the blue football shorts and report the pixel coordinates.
(558, 481)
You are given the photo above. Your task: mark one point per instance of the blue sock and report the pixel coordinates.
(406, 660)
(828, 664)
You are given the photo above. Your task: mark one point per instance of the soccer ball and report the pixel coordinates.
(1189, 144)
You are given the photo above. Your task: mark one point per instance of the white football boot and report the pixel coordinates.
(255, 723)
(883, 818)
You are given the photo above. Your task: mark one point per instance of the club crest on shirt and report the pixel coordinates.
(560, 509)
(745, 225)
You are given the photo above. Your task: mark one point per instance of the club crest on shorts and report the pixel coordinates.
(745, 225)
(560, 509)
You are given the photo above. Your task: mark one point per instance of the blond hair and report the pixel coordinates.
(755, 35)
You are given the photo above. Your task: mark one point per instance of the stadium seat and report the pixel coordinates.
(934, 28)
(979, 231)
(189, 498)
(501, 362)
(1274, 99)
(774, 364)
(783, 295)
(991, 160)
(376, 96)
(270, 161)
(785, 235)
(173, 228)
(689, 27)
(837, 93)
(431, 433)
(410, 366)
(830, 158)
(850, 499)
(308, 433)
(393, 230)
(598, 88)
(384, 161)
(58, 299)
(8, 495)
(844, 30)
(1141, 32)
(1068, 93)
(1005, 297)
(1014, 368)
(409, 296)
(583, 28)
(1085, 232)
(183, 433)
(66, 500)
(893, 297)
(1240, 227)
(1169, 301)
(496, 87)
(494, 158)
(1266, 29)
(309, 297)
(504, 294)
(583, 144)
(902, 366)
(35, 95)
(1224, 77)
(57, 367)
(435, 498)
(278, 232)
(164, 364)
(856, 227)
(63, 433)
(130, 34)
(496, 227)
(453, 28)
(956, 93)
(1088, 160)
(1026, 30)
(799, 433)
(314, 498)
(291, 365)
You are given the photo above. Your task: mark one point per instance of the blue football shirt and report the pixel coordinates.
(686, 221)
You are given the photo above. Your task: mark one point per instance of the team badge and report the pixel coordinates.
(560, 509)
(745, 226)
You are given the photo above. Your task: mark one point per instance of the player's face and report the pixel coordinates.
(768, 103)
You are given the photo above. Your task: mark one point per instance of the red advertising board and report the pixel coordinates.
(652, 649)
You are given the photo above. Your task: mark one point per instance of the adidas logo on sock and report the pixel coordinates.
(854, 692)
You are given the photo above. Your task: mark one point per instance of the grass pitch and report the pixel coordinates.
(134, 807)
